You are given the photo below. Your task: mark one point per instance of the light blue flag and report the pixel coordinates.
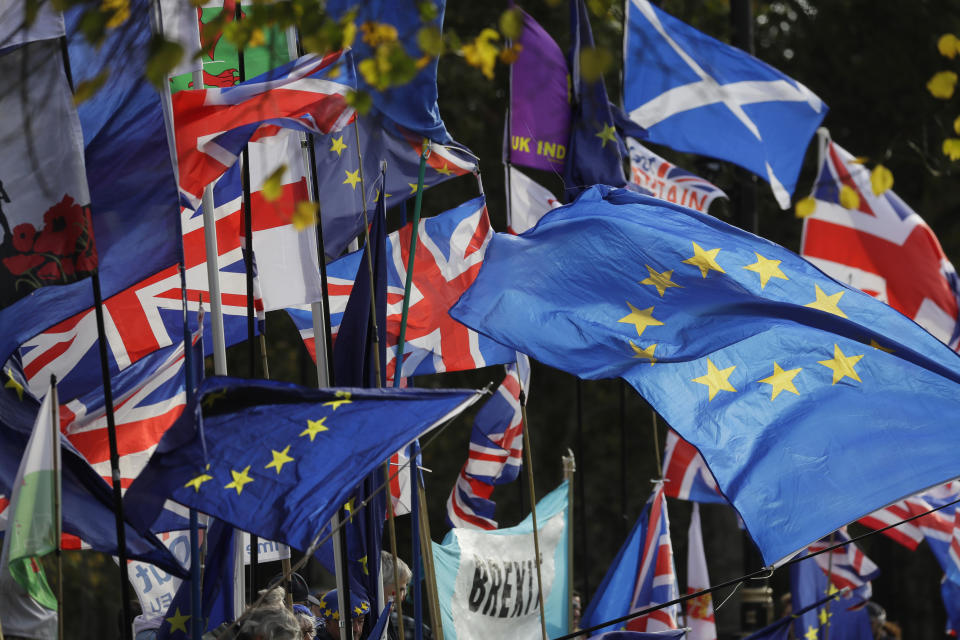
(812, 403)
(696, 94)
(487, 580)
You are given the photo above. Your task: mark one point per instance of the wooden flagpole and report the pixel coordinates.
(528, 454)
(569, 468)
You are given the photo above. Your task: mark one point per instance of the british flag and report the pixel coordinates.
(449, 254)
(686, 474)
(846, 566)
(496, 452)
(880, 246)
(665, 180)
(213, 125)
(642, 575)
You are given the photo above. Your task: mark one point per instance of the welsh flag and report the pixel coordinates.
(34, 525)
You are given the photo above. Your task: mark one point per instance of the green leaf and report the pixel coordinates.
(594, 63)
(88, 88)
(511, 24)
(430, 41)
(164, 56)
(428, 11)
(272, 187)
(360, 100)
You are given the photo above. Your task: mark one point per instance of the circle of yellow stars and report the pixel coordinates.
(240, 478)
(717, 377)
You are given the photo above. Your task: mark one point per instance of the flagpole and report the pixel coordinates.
(624, 526)
(57, 518)
(429, 568)
(528, 454)
(569, 468)
(826, 606)
(585, 586)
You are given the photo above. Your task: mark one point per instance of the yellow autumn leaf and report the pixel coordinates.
(86, 89)
(948, 45)
(951, 148)
(257, 39)
(849, 198)
(304, 215)
(511, 53)
(377, 33)
(482, 53)
(511, 24)
(348, 34)
(956, 125)
(119, 11)
(881, 179)
(273, 185)
(805, 207)
(942, 84)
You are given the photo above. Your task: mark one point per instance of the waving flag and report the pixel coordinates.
(213, 125)
(847, 566)
(667, 181)
(286, 482)
(842, 616)
(696, 94)
(880, 245)
(539, 101)
(641, 575)
(748, 351)
(528, 202)
(700, 618)
(685, 473)
(496, 452)
(451, 249)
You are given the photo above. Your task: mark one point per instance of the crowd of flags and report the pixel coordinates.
(785, 347)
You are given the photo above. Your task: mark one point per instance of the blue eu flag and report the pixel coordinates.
(812, 403)
(840, 616)
(277, 459)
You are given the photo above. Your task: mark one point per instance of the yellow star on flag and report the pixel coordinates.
(348, 506)
(240, 478)
(811, 633)
(353, 177)
(880, 347)
(11, 383)
(178, 621)
(608, 134)
(781, 381)
(830, 304)
(445, 170)
(842, 365)
(199, 480)
(211, 398)
(363, 561)
(314, 427)
(338, 145)
(659, 280)
(640, 319)
(344, 399)
(706, 261)
(716, 379)
(413, 187)
(766, 269)
(280, 458)
(644, 353)
(824, 616)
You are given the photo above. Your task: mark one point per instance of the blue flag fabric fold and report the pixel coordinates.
(277, 459)
(803, 395)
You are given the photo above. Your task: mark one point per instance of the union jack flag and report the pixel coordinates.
(449, 254)
(936, 527)
(686, 474)
(665, 180)
(213, 125)
(642, 575)
(846, 566)
(496, 452)
(880, 246)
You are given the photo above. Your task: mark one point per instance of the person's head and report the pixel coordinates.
(308, 624)
(272, 598)
(269, 624)
(386, 575)
(878, 617)
(313, 602)
(298, 587)
(330, 610)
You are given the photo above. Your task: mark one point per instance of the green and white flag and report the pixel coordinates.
(33, 525)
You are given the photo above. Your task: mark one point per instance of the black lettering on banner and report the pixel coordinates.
(507, 588)
(520, 573)
(479, 589)
(496, 579)
(530, 596)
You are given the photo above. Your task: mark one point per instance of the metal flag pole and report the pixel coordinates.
(528, 454)
(569, 468)
(57, 516)
(585, 586)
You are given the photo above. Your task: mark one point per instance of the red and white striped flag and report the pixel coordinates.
(699, 610)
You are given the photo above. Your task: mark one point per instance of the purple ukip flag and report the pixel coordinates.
(539, 101)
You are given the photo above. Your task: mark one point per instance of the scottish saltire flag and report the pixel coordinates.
(539, 101)
(667, 181)
(595, 151)
(642, 575)
(284, 482)
(842, 616)
(86, 500)
(847, 566)
(341, 193)
(46, 234)
(213, 125)
(528, 201)
(487, 580)
(450, 250)
(696, 94)
(699, 610)
(412, 105)
(496, 451)
(877, 243)
(749, 352)
(686, 476)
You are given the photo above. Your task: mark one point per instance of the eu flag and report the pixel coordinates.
(277, 459)
(812, 403)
